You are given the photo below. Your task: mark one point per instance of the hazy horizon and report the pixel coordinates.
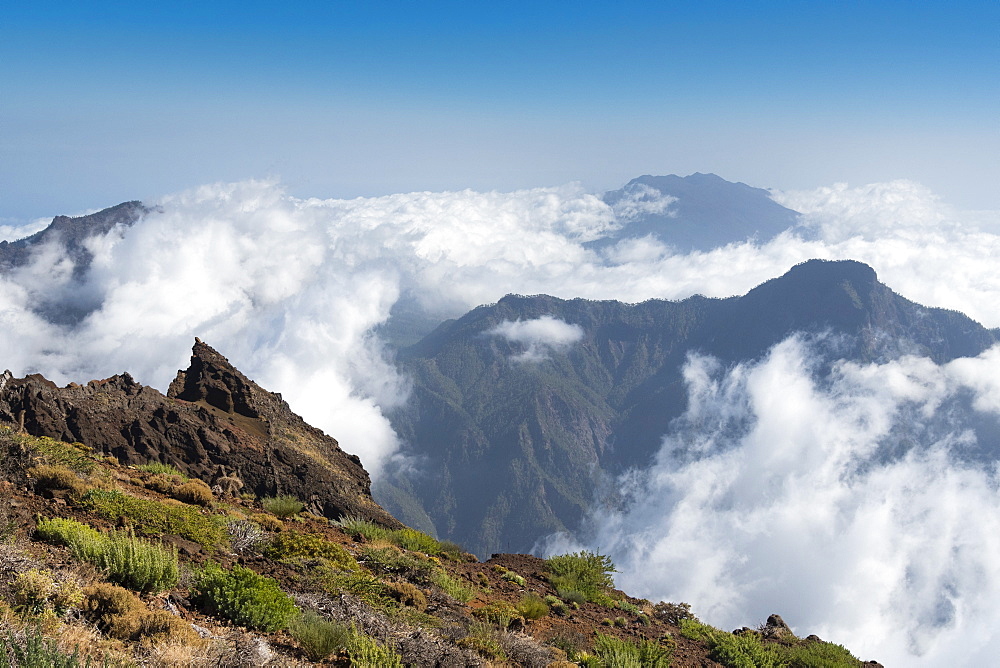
(106, 102)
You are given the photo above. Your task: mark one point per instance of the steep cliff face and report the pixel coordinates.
(516, 449)
(214, 421)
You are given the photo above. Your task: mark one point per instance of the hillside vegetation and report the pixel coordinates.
(105, 564)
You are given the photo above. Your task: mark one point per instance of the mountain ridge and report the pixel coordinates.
(544, 438)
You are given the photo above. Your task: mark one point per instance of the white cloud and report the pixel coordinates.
(538, 336)
(639, 200)
(778, 519)
(848, 506)
(290, 289)
(20, 231)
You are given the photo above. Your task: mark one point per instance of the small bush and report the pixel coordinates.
(84, 541)
(164, 626)
(244, 535)
(532, 606)
(358, 527)
(417, 541)
(817, 654)
(196, 492)
(586, 572)
(627, 607)
(574, 596)
(408, 594)
(392, 561)
(500, 613)
(366, 652)
(159, 468)
(125, 559)
(293, 544)
(625, 654)
(455, 588)
(138, 564)
(49, 477)
(364, 586)
(156, 517)
(76, 456)
(268, 522)
(33, 650)
(36, 591)
(673, 613)
(282, 506)
(115, 610)
(733, 651)
(482, 638)
(556, 606)
(319, 637)
(244, 597)
(511, 576)
(163, 484)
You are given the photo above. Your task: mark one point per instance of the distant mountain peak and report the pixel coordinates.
(695, 212)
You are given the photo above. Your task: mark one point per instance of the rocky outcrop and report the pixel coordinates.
(214, 422)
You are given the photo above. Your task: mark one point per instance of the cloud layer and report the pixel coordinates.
(851, 504)
(538, 336)
(795, 507)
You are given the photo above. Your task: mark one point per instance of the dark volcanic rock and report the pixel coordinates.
(213, 421)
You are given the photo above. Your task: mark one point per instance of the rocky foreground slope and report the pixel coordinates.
(213, 527)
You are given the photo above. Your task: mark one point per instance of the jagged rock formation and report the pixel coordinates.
(515, 451)
(213, 422)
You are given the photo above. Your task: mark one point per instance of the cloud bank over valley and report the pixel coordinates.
(853, 503)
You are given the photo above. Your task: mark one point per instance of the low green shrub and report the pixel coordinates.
(125, 560)
(673, 613)
(85, 542)
(358, 527)
(291, 544)
(158, 517)
(36, 591)
(532, 606)
(733, 651)
(627, 607)
(458, 590)
(586, 572)
(817, 654)
(33, 650)
(284, 506)
(573, 596)
(196, 492)
(138, 564)
(77, 456)
(417, 541)
(115, 610)
(500, 613)
(556, 606)
(159, 468)
(49, 477)
(511, 576)
(408, 594)
(364, 586)
(482, 638)
(366, 652)
(621, 653)
(244, 597)
(392, 561)
(319, 637)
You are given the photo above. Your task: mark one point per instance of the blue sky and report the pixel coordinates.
(106, 101)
